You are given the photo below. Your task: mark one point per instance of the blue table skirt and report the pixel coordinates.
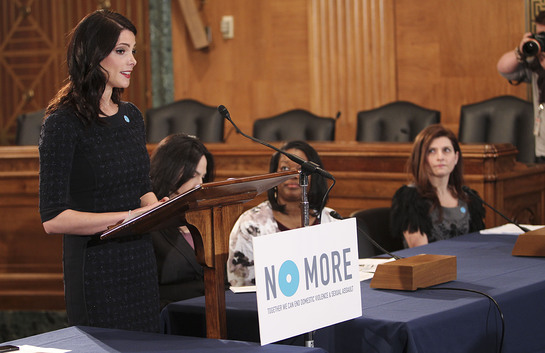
(424, 320)
(83, 339)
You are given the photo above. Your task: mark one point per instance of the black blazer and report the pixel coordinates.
(180, 275)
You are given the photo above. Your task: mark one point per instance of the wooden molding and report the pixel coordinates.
(194, 24)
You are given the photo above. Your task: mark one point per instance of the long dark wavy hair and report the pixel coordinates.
(419, 169)
(174, 162)
(92, 40)
(318, 184)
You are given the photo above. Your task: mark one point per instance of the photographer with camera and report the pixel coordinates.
(526, 64)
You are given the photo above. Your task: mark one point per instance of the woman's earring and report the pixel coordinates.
(276, 193)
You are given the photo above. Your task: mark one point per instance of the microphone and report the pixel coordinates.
(467, 190)
(307, 167)
(336, 215)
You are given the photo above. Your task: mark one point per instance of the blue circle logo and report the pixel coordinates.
(126, 118)
(288, 278)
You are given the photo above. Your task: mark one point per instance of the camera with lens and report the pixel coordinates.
(535, 45)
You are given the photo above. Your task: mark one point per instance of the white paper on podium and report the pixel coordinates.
(306, 279)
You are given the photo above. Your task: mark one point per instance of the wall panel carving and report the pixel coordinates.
(352, 58)
(33, 37)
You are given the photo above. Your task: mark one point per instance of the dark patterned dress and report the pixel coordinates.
(101, 168)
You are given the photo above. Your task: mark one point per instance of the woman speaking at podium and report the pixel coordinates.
(434, 206)
(94, 169)
(282, 211)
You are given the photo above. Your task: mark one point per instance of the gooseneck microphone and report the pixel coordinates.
(307, 167)
(467, 190)
(336, 215)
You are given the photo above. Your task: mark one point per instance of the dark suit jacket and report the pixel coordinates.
(180, 275)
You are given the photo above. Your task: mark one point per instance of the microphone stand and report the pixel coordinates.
(305, 208)
(334, 214)
(305, 220)
(474, 194)
(307, 168)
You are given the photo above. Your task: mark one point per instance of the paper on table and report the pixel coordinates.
(368, 266)
(509, 228)
(244, 289)
(33, 349)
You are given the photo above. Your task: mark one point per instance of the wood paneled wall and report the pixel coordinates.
(352, 59)
(447, 51)
(33, 39)
(263, 69)
(321, 55)
(350, 55)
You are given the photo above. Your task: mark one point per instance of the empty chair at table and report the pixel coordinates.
(375, 222)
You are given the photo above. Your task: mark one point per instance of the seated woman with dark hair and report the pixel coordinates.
(434, 206)
(282, 211)
(179, 163)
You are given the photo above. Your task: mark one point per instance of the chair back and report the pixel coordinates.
(188, 116)
(296, 124)
(376, 223)
(394, 122)
(503, 119)
(29, 126)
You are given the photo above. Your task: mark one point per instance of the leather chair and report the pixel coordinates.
(188, 116)
(503, 119)
(394, 122)
(296, 124)
(29, 126)
(376, 223)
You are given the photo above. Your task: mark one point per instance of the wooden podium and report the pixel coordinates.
(210, 211)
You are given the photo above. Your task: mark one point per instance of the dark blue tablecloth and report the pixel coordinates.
(83, 339)
(425, 320)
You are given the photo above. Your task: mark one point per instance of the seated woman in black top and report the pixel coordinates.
(179, 163)
(434, 207)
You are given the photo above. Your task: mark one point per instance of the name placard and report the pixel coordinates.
(306, 279)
